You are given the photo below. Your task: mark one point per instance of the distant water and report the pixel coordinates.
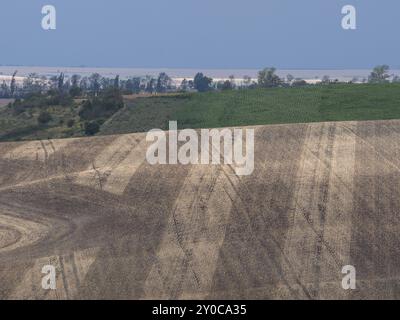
(341, 75)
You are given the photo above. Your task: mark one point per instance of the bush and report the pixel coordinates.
(44, 117)
(299, 83)
(91, 128)
(103, 106)
(70, 123)
(226, 85)
(75, 92)
(17, 109)
(86, 110)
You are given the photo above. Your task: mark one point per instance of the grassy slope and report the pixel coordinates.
(24, 126)
(260, 106)
(219, 109)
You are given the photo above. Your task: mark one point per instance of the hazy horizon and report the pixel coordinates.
(201, 35)
(180, 73)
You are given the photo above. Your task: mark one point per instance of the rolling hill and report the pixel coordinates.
(322, 196)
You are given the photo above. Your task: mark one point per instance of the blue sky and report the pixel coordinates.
(201, 34)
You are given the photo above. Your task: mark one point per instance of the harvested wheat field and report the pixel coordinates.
(321, 196)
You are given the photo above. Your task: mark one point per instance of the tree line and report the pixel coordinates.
(86, 86)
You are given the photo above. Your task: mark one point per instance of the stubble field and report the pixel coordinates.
(322, 196)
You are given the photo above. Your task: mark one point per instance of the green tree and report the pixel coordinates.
(91, 128)
(116, 82)
(133, 85)
(13, 84)
(184, 85)
(225, 85)
(75, 90)
(246, 81)
(94, 83)
(396, 79)
(150, 85)
(299, 82)
(202, 83)
(163, 82)
(379, 74)
(60, 82)
(289, 78)
(268, 79)
(103, 106)
(326, 80)
(4, 91)
(232, 81)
